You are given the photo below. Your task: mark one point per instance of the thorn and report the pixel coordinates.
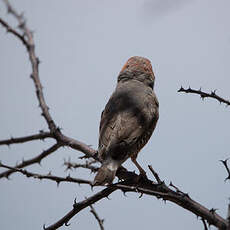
(124, 193)
(75, 201)
(58, 182)
(108, 197)
(141, 194)
(202, 97)
(66, 224)
(181, 89)
(44, 227)
(213, 93)
(8, 177)
(213, 210)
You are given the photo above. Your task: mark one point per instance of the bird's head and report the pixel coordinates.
(138, 68)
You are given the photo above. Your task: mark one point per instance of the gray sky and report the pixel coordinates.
(82, 46)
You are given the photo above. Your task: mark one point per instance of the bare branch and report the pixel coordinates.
(40, 136)
(77, 207)
(12, 11)
(49, 176)
(181, 199)
(30, 46)
(204, 223)
(225, 163)
(100, 221)
(155, 174)
(177, 189)
(204, 95)
(148, 187)
(78, 145)
(14, 32)
(87, 165)
(31, 161)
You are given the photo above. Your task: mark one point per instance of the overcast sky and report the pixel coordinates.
(83, 46)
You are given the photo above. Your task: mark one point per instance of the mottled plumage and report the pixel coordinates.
(128, 120)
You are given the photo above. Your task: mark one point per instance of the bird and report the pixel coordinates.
(128, 120)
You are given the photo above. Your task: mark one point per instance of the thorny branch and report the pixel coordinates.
(49, 176)
(40, 136)
(204, 223)
(130, 180)
(204, 94)
(77, 207)
(86, 165)
(155, 174)
(148, 187)
(100, 221)
(31, 161)
(14, 32)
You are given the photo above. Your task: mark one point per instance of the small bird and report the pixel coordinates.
(128, 120)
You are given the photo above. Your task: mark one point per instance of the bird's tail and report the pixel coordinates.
(106, 173)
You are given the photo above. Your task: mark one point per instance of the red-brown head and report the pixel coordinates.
(138, 68)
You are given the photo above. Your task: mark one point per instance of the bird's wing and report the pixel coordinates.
(123, 121)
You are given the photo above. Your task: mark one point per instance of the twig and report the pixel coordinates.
(149, 187)
(49, 176)
(155, 174)
(77, 207)
(14, 32)
(185, 202)
(227, 168)
(204, 223)
(100, 221)
(177, 189)
(87, 165)
(31, 161)
(40, 136)
(78, 145)
(204, 94)
(30, 46)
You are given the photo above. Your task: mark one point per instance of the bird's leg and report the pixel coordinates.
(141, 170)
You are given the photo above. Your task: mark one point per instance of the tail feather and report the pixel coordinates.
(106, 173)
